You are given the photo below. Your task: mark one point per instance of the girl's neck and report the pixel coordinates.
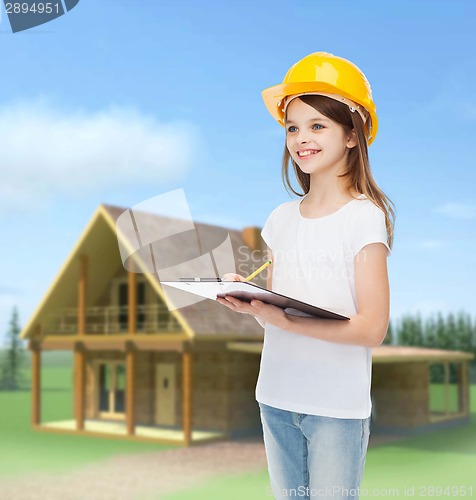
(328, 192)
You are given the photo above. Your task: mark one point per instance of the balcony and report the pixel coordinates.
(110, 320)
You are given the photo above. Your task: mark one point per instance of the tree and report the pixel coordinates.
(429, 336)
(388, 340)
(411, 330)
(440, 332)
(464, 332)
(13, 357)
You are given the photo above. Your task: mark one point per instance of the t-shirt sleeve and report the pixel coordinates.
(368, 227)
(267, 231)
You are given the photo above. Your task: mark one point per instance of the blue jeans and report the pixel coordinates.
(310, 456)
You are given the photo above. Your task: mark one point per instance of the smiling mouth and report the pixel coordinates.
(307, 153)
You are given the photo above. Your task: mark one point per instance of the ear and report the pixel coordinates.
(352, 139)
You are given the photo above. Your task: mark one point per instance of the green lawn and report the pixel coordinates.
(437, 397)
(25, 450)
(442, 458)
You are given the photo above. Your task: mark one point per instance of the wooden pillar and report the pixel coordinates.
(35, 383)
(130, 388)
(82, 290)
(187, 396)
(79, 370)
(132, 302)
(463, 387)
(447, 387)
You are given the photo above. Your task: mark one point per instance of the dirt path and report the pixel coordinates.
(144, 476)
(147, 476)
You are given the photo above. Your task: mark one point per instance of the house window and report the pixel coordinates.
(104, 386)
(123, 306)
(120, 389)
(141, 313)
(111, 388)
(121, 291)
(447, 390)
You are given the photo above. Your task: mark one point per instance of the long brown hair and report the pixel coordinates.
(358, 176)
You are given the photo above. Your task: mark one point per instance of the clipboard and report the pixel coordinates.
(211, 288)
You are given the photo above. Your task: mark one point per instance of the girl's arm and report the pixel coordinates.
(369, 326)
(366, 328)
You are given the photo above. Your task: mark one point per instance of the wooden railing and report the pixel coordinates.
(112, 320)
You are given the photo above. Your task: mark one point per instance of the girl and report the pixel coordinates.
(329, 249)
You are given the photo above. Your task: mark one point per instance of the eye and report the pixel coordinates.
(292, 128)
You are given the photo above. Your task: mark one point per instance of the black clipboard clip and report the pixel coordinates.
(201, 279)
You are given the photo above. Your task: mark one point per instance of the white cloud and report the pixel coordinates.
(458, 210)
(47, 152)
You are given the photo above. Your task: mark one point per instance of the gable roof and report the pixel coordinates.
(100, 237)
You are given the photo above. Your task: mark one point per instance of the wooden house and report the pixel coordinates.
(188, 375)
(141, 370)
(414, 389)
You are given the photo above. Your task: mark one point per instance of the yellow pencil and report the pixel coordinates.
(264, 266)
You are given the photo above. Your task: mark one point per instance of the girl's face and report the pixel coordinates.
(316, 143)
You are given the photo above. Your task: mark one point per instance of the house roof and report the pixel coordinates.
(201, 320)
(391, 353)
(382, 353)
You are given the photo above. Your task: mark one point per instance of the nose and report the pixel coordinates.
(302, 137)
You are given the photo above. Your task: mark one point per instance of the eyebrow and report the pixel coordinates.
(312, 120)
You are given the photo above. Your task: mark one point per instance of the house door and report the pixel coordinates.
(165, 394)
(112, 389)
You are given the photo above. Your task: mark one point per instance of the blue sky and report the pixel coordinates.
(88, 100)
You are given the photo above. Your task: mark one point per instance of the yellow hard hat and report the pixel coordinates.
(325, 74)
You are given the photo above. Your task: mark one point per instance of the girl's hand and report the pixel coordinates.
(232, 277)
(267, 312)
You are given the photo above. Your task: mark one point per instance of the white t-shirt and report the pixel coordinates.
(314, 262)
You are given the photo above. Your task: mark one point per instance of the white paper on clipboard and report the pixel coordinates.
(246, 291)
